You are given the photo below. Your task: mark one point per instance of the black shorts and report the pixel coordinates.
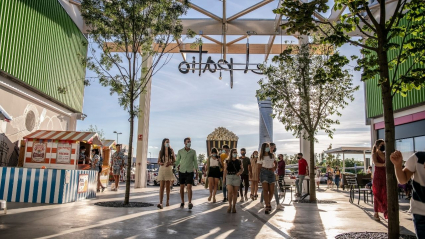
(214, 172)
(186, 178)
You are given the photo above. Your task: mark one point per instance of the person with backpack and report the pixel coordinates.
(97, 165)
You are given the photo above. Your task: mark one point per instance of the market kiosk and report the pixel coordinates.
(107, 151)
(51, 173)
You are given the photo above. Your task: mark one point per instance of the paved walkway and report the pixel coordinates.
(205, 220)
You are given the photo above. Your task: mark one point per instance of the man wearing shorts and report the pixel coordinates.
(117, 164)
(188, 165)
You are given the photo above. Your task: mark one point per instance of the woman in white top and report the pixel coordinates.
(213, 173)
(266, 167)
(166, 161)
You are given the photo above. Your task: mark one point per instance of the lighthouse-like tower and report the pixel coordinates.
(266, 121)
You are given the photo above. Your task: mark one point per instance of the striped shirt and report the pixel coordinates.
(416, 165)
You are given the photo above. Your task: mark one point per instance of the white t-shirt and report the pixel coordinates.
(267, 162)
(214, 162)
(415, 164)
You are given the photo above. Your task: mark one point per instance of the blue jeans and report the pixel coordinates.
(299, 183)
(419, 222)
(224, 188)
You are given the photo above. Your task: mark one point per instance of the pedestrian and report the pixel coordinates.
(302, 172)
(317, 171)
(232, 171)
(223, 156)
(276, 190)
(188, 165)
(117, 165)
(246, 163)
(329, 173)
(369, 170)
(166, 159)
(415, 167)
(379, 184)
(253, 175)
(97, 165)
(213, 173)
(281, 171)
(267, 166)
(337, 173)
(82, 157)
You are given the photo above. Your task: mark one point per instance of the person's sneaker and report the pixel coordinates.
(246, 198)
(182, 205)
(242, 199)
(279, 207)
(190, 205)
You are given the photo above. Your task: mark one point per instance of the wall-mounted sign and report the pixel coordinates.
(140, 137)
(38, 152)
(221, 65)
(83, 183)
(63, 153)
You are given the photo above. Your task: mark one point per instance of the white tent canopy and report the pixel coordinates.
(350, 150)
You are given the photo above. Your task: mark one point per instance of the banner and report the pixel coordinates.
(38, 152)
(63, 153)
(83, 183)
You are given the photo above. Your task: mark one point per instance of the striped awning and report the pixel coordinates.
(108, 143)
(4, 115)
(89, 137)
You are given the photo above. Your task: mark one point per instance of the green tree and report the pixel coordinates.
(100, 133)
(141, 31)
(201, 158)
(302, 94)
(394, 45)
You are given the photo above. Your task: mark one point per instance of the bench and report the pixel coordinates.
(354, 188)
(3, 205)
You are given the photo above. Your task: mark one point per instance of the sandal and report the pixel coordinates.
(159, 206)
(234, 210)
(229, 209)
(103, 189)
(167, 204)
(214, 199)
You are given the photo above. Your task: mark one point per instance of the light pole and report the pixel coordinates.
(115, 132)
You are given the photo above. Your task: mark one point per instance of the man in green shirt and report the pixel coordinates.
(187, 164)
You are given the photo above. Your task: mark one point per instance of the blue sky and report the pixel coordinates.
(188, 105)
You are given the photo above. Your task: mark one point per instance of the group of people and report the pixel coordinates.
(333, 176)
(226, 168)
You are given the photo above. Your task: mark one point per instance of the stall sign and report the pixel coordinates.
(63, 153)
(38, 152)
(83, 183)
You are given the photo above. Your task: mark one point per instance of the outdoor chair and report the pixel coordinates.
(354, 188)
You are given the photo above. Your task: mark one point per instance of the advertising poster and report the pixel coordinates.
(83, 183)
(63, 153)
(38, 152)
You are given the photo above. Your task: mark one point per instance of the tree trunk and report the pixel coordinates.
(392, 186)
(311, 169)
(130, 156)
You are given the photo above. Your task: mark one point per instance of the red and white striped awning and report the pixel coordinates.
(90, 137)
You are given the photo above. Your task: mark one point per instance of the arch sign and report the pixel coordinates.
(221, 65)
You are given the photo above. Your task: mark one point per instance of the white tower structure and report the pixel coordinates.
(266, 121)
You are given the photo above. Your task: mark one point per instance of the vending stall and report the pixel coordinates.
(107, 151)
(51, 172)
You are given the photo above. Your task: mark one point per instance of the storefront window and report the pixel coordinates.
(405, 146)
(420, 143)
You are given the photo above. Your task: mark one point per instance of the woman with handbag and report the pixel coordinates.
(213, 173)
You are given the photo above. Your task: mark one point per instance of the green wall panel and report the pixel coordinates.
(373, 91)
(40, 45)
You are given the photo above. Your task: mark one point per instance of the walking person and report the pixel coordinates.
(253, 175)
(379, 184)
(302, 172)
(317, 172)
(267, 166)
(117, 165)
(329, 172)
(97, 165)
(337, 173)
(246, 163)
(232, 171)
(166, 159)
(225, 153)
(281, 171)
(414, 166)
(213, 173)
(187, 165)
(276, 189)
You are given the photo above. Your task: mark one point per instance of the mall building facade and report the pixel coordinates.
(41, 52)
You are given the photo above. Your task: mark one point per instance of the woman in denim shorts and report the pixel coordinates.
(232, 172)
(267, 165)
